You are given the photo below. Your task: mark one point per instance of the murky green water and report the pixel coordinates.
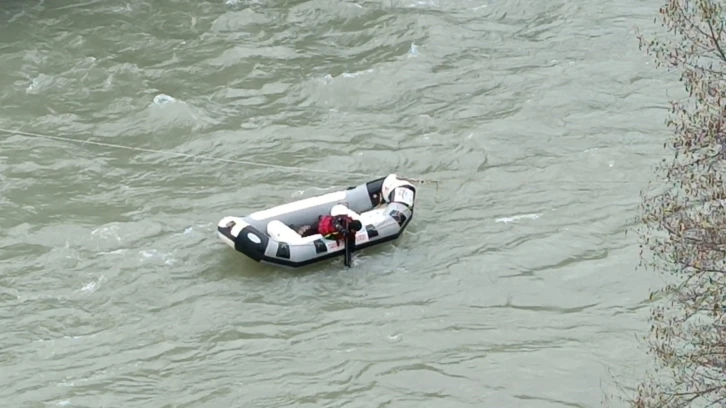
(513, 287)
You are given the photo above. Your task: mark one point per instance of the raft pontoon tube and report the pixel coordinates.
(383, 206)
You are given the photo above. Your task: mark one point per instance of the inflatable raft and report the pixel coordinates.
(383, 206)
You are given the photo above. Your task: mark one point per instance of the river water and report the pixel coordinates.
(514, 286)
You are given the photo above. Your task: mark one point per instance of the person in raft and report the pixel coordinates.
(331, 227)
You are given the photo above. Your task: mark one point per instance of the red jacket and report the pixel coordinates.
(326, 226)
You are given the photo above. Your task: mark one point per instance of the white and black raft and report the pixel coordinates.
(383, 206)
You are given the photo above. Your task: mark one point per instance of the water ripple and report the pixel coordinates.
(512, 286)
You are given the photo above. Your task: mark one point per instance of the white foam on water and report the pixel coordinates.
(355, 74)
(153, 254)
(89, 287)
(328, 78)
(37, 83)
(124, 9)
(423, 3)
(114, 252)
(110, 231)
(166, 110)
(514, 218)
(163, 99)
(92, 286)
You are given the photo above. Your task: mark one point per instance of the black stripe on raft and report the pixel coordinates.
(283, 250)
(251, 242)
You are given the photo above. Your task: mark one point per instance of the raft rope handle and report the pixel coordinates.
(193, 156)
(419, 181)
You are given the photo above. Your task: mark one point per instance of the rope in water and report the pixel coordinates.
(190, 156)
